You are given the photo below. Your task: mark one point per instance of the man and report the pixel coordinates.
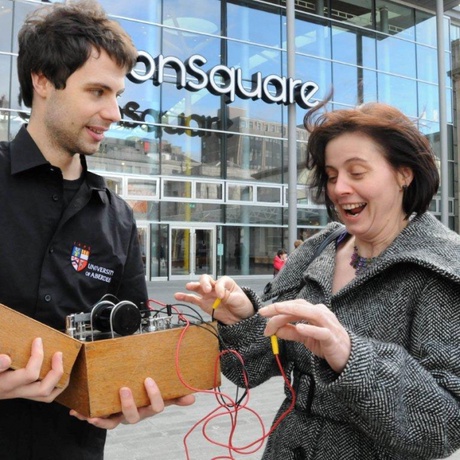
(72, 64)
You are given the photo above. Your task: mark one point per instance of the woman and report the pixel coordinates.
(279, 260)
(370, 329)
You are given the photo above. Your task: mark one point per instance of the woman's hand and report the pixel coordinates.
(234, 305)
(320, 330)
(130, 413)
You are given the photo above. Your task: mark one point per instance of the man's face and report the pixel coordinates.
(77, 116)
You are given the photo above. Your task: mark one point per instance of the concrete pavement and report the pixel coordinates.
(162, 437)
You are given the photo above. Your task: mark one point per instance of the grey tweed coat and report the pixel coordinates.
(399, 396)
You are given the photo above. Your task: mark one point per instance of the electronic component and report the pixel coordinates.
(113, 318)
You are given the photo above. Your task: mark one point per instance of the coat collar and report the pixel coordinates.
(425, 242)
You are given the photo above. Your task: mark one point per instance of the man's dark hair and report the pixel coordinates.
(56, 40)
(402, 144)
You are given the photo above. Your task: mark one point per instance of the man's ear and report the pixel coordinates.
(41, 84)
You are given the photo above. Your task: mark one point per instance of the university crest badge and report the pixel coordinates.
(80, 256)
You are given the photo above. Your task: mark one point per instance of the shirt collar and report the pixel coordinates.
(26, 155)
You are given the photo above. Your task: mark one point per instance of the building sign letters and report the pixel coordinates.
(222, 80)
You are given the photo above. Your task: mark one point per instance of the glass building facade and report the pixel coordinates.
(201, 153)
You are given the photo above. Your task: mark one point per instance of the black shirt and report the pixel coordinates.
(56, 260)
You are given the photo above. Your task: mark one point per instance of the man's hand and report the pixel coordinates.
(24, 383)
(132, 414)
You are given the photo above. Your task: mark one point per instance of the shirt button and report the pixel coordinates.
(55, 197)
(51, 250)
(47, 298)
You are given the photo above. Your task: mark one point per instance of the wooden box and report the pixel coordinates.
(17, 331)
(104, 366)
(99, 369)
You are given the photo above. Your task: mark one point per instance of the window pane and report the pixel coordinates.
(395, 19)
(115, 184)
(142, 187)
(144, 210)
(396, 56)
(208, 191)
(203, 16)
(312, 39)
(353, 12)
(400, 92)
(268, 195)
(177, 189)
(5, 73)
(241, 21)
(346, 84)
(251, 59)
(191, 212)
(425, 28)
(6, 19)
(238, 192)
(427, 64)
(344, 45)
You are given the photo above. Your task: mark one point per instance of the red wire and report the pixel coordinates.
(231, 408)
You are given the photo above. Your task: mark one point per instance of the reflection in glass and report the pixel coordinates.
(250, 214)
(159, 250)
(400, 92)
(21, 10)
(136, 9)
(5, 73)
(242, 18)
(208, 191)
(132, 155)
(178, 211)
(144, 210)
(252, 59)
(204, 16)
(395, 19)
(142, 187)
(312, 38)
(396, 56)
(345, 45)
(353, 12)
(237, 192)
(425, 28)
(346, 79)
(268, 194)
(177, 189)
(427, 64)
(115, 184)
(319, 71)
(6, 20)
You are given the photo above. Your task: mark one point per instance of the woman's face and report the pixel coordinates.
(364, 188)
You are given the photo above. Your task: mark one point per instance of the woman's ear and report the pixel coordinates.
(405, 176)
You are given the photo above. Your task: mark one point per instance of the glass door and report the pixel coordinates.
(192, 252)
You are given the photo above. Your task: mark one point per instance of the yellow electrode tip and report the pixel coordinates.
(216, 303)
(275, 347)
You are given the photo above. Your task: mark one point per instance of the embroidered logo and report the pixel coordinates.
(80, 256)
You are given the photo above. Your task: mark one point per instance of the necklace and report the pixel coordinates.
(359, 263)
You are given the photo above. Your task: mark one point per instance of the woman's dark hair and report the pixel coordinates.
(402, 144)
(56, 40)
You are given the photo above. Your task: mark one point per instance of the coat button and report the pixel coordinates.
(47, 298)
